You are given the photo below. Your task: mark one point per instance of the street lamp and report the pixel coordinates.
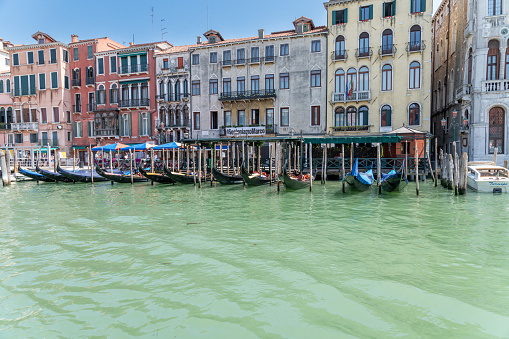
(446, 128)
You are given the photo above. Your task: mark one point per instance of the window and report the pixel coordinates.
(351, 81)
(75, 54)
(493, 60)
(68, 116)
(255, 117)
(241, 118)
(269, 53)
(227, 57)
(15, 59)
(496, 130)
(269, 118)
(339, 81)
(213, 86)
(77, 129)
(255, 83)
(8, 86)
(101, 95)
(415, 38)
(30, 58)
(213, 57)
(125, 129)
(90, 129)
(195, 84)
(339, 116)
(33, 138)
(56, 114)
(340, 17)
(54, 80)
(1, 86)
(494, 7)
(53, 56)
(389, 9)
(269, 82)
(285, 116)
(414, 114)
(386, 116)
(113, 64)
(241, 85)
(40, 57)
(180, 62)
(18, 138)
(214, 123)
(363, 79)
(284, 49)
(470, 65)
(387, 42)
(44, 116)
(315, 46)
(100, 66)
(284, 81)
(316, 79)
(241, 55)
(507, 63)
(65, 55)
(66, 82)
(227, 86)
(339, 50)
(144, 124)
(315, 115)
(362, 118)
(255, 54)
(114, 94)
(414, 75)
(364, 45)
(90, 54)
(417, 6)
(366, 13)
(387, 78)
(165, 64)
(227, 118)
(195, 59)
(196, 120)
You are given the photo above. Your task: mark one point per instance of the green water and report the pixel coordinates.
(233, 262)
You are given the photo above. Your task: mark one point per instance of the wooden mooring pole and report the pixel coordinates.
(436, 162)
(463, 170)
(379, 169)
(310, 167)
(3, 168)
(343, 166)
(416, 170)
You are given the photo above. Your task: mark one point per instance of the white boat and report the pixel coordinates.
(487, 177)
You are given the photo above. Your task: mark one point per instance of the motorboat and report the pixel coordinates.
(487, 178)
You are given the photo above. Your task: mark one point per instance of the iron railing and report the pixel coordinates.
(76, 108)
(365, 52)
(139, 68)
(134, 102)
(387, 49)
(89, 81)
(248, 95)
(76, 82)
(51, 142)
(339, 55)
(415, 46)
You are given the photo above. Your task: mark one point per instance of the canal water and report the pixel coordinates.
(234, 262)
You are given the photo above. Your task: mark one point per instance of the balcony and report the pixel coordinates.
(242, 131)
(495, 86)
(89, 81)
(240, 61)
(415, 46)
(178, 123)
(24, 126)
(91, 107)
(269, 59)
(50, 142)
(387, 50)
(5, 126)
(469, 29)
(255, 60)
(226, 63)
(134, 103)
(366, 52)
(76, 82)
(355, 96)
(248, 95)
(172, 97)
(140, 68)
(351, 128)
(464, 92)
(76, 108)
(107, 132)
(339, 55)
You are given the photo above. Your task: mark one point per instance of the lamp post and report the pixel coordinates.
(454, 124)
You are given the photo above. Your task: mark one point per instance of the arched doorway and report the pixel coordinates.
(496, 130)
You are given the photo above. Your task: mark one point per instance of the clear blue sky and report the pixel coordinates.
(184, 20)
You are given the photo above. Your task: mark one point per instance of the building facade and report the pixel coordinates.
(6, 137)
(264, 85)
(379, 67)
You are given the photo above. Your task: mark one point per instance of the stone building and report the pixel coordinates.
(379, 67)
(6, 137)
(270, 84)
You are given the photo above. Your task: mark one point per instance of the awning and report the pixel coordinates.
(132, 54)
(364, 139)
(110, 147)
(138, 147)
(141, 81)
(170, 145)
(78, 147)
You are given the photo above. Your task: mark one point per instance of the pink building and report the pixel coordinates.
(6, 137)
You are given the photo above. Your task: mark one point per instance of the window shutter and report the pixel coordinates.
(394, 7)
(16, 86)
(32, 83)
(81, 129)
(383, 9)
(360, 13)
(412, 6)
(140, 119)
(370, 12)
(334, 17)
(149, 123)
(345, 15)
(74, 129)
(423, 5)
(121, 125)
(98, 97)
(366, 113)
(129, 125)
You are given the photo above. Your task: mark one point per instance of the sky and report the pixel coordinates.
(183, 20)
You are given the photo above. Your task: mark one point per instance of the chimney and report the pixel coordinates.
(131, 43)
(198, 40)
(74, 38)
(261, 33)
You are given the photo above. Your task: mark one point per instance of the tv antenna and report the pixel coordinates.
(163, 29)
(207, 15)
(152, 15)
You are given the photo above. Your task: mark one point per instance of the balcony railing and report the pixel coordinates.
(365, 52)
(351, 128)
(133, 69)
(24, 126)
(240, 61)
(76, 108)
(495, 85)
(111, 132)
(255, 60)
(76, 82)
(91, 107)
(174, 124)
(51, 142)
(89, 81)
(172, 97)
(269, 59)
(226, 63)
(415, 46)
(134, 103)
(355, 96)
(5, 126)
(463, 92)
(387, 50)
(339, 55)
(248, 95)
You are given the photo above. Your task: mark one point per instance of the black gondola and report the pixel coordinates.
(119, 177)
(53, 176)
(358, 180)
(253, 180)
(179, 177)
(294, 184)
(393, 181)
(80, 176)
(156, 177)
(226, 179)
(34, 175)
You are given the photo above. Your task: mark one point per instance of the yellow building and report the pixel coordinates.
(379, 66)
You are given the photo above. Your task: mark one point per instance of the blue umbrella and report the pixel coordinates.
(170, 145)
(110, 147)
(138, 147)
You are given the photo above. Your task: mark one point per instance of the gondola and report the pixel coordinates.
(80, 176)
(156, 177)
(357, 180)
(33, 175)
(253, 180)
(53, 176)
(393, 181)
(293, 183)
(119, 177)
(226, 179)
(178, 177)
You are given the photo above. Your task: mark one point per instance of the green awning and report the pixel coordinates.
(363, 139)
(43, 149)
(132, 54)
(142, 81)
(79, 147)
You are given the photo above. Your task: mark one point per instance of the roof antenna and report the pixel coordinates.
(152, 15)
(207, 15)
(163, 30)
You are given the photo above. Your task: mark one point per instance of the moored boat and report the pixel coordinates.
(294, 184)
(179, 177)
(53, 176)
(80, 176)
(119, 177)
(487, 178)
(156, 177)
(254, 179)
(393, 181)
(358, 180)
(226, 179)
(33, 175)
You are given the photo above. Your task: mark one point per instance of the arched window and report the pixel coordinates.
(351, 116)
(470, 65)
(507, 61)
(497, 126)
(9, 115)
(438, 102)
(177, 90)
(493, 60)
(363, 79)
(114, 94)
(414, 114)
(362, 118)
(387, 78)
(339, 117)
(386, 116)
(415, 38)
(387, 41)
(1, 86)
(339, 81)
(363, 44)
(8, 89)
(414, 79)
(494, 7)
(170, 91)
(351, 80)
(186, 89)
(161, 90)
(101, 95)
(444, 92)
(453, 43)
(3, 118)
(339, 51)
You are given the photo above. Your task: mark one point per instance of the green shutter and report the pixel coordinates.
(16, 86)
(365, 118)
(121, 125)
(383, 9)
(81, 130)
(393, 10)
(140, 119)
(360, 13)
(54, 80)
(370, 12)
(143, 59)
(42, 81)
(149, 124)
(412, 6)
(74, 129)
(423, 6)
(32, 83)
(345, 15)
(1, 86)
(129, 125)
(24, 85)
(334, 17)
